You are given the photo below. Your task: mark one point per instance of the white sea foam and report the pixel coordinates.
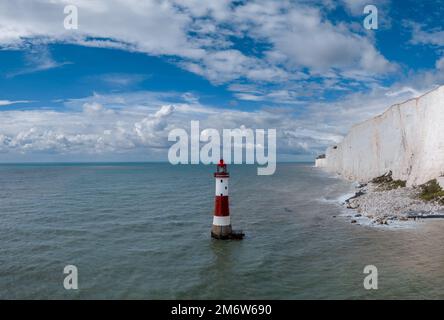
(341, 199)
(363, 221)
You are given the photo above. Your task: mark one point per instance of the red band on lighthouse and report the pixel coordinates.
(221, 208)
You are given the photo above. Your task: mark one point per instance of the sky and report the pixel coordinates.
(133, 70)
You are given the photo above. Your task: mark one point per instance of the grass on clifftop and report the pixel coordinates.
(386, 182)
(431, 191)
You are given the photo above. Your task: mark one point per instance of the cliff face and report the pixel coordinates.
(407, 139)
(320, 162)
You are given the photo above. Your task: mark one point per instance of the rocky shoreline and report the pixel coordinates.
(383, 206)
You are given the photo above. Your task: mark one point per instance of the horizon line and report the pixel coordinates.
(135, 162)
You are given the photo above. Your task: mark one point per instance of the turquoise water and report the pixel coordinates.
(143, 231)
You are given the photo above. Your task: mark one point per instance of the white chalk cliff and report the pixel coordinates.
(407, 139)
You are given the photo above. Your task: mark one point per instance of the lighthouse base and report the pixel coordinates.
(226, 233)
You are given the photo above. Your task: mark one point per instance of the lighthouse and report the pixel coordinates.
(221, 228)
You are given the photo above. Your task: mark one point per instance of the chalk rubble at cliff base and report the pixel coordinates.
(385, 207)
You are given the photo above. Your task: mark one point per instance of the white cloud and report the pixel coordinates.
(249, 97)
(440, 63)
(302, 37)
(299, 44)
(419, 36)
(38, 58)
(146, 26)
(139, 123)
(121, 79)
(402, 91)
(9, 102)
(97, 128)
(93, 130)
(201, 33)
(356, 7)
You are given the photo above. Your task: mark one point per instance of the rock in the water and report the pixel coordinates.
(352, 205)
(357, 195)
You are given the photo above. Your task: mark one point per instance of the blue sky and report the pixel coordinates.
(134, 70)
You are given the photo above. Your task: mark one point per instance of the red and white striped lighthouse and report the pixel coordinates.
(221, 221)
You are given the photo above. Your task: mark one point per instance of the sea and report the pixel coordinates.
(142, 231)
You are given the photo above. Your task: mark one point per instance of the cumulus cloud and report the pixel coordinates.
(295, 35)
(147, 26)
(302, 37)
(93, 130)
(297, 53)
(96, 128)
(141, 121)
